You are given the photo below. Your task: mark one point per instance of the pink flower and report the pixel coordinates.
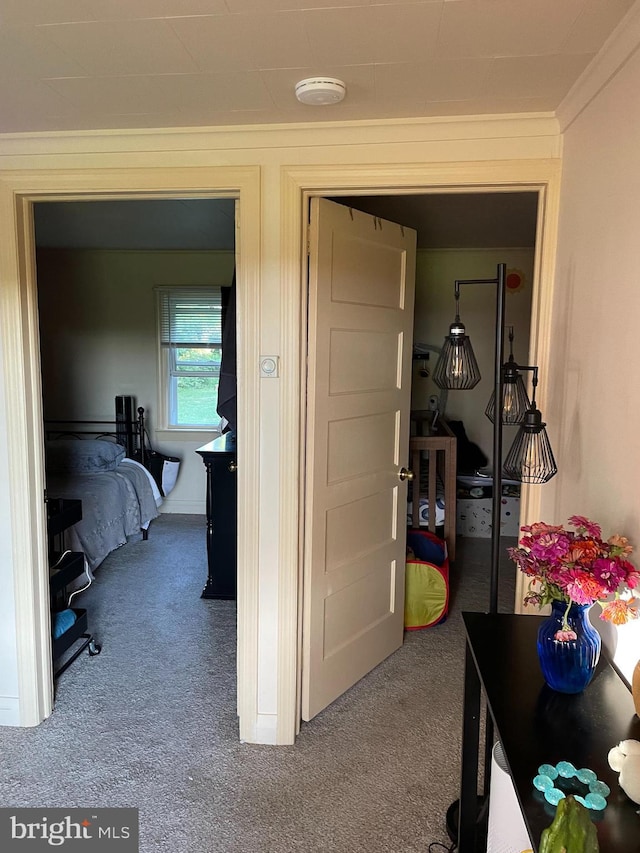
(628, 568)
(610, 573)
(582, 587)
(633, 579)
(550, 547)
(565, 636)
(583, 526)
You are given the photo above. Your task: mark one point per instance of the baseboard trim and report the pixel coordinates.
(186, 507)
(263, 728)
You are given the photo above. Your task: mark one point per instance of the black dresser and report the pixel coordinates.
(220, 460)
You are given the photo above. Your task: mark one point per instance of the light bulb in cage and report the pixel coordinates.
(530, 459)
(515, 400)
(457, 368)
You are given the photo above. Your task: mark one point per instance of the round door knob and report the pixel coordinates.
(233, 467)
(405, 474)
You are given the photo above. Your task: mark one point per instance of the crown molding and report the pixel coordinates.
(623, 42)
(278, 136)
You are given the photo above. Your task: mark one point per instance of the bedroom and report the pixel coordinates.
(98, 312)
(99, 302)
(80, 278)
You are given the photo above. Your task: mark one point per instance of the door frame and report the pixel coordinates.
(25, 443)
(298, 185)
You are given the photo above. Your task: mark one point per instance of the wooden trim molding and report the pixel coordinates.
(299, 183)
(294, 136)
(20, 341)
(292, 461)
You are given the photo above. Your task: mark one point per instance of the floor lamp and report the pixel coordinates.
(530, 458)
(457, 369)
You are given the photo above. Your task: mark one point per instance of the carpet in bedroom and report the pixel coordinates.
(151, 722)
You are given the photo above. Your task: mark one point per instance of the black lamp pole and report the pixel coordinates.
(453, 813)
(500, 282)
(496, 514)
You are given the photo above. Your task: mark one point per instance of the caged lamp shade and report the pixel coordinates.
(515, 400)
(457, 368)
(530, 459)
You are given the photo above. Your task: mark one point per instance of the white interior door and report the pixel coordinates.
(360, 327)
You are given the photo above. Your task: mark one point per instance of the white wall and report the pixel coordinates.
(594, 404)
(437, 270)
(99, 340)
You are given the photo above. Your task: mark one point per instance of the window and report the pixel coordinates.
(190, 326)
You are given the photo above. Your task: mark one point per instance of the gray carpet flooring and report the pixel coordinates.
(151, 721)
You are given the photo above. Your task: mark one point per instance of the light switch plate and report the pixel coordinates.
(269, 366)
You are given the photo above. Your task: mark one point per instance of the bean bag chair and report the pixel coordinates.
(426, 598)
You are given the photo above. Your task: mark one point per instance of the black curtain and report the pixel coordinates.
(227, 387)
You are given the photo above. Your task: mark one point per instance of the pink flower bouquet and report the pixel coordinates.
(578, 567)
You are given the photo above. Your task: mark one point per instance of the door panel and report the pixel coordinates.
(361, 286)
(360, 446)
(342, 548)
(363, 361)
(352, 610)
(365, 273)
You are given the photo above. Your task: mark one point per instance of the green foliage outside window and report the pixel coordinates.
(197, 400)
(196, 371)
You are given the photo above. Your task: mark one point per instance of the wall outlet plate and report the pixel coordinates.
(269, 366)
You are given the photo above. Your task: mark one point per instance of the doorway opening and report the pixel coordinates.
(508, 233)
(105, 269)
(24, 424)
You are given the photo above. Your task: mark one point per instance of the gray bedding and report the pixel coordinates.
(116, 505)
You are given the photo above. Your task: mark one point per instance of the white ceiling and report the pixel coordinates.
(99, 64)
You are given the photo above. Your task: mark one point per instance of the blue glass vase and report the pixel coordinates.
(568, 666)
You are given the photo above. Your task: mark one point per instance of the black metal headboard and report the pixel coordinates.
(126, 430)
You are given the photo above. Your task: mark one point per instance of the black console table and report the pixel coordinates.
(220, 459)
(536, 725)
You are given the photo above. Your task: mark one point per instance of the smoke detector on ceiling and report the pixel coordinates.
(320, 90)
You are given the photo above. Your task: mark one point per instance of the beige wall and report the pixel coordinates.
(99, 339)
(594, 404)
(436, 273)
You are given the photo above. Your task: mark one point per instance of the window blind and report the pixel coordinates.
(190, 317)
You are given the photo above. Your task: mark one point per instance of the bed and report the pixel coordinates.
(120, 498)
